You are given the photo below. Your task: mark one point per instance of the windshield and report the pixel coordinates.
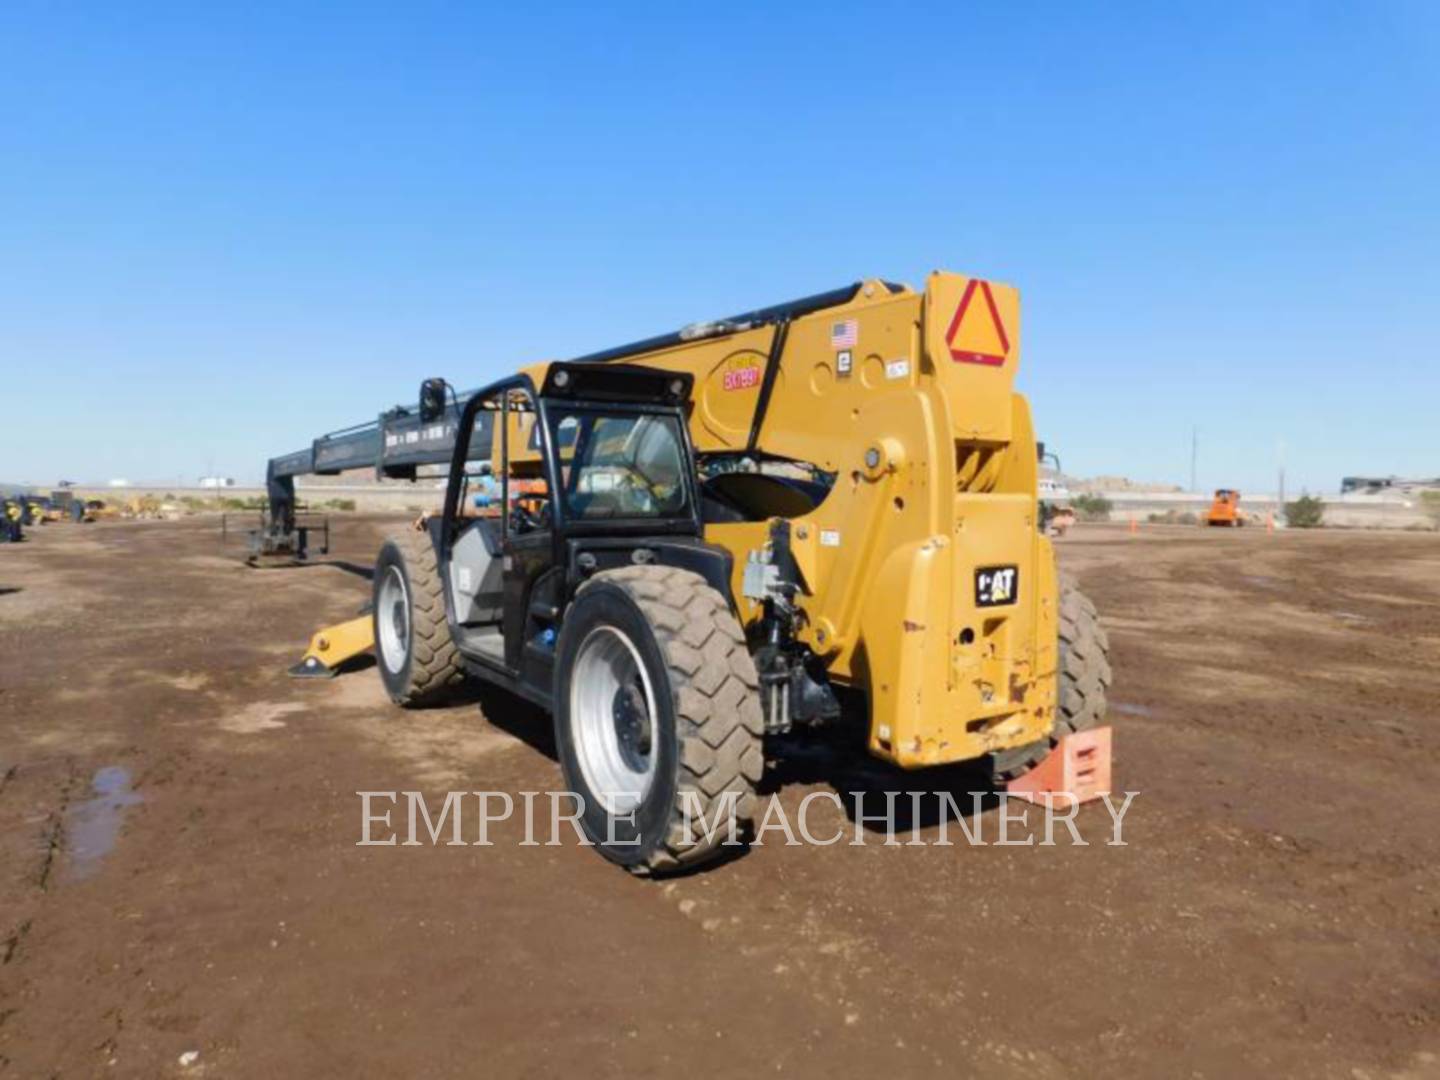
(620, 465)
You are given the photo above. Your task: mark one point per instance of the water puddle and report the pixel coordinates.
(1261, 581)
(1125, 708)
(92, 826)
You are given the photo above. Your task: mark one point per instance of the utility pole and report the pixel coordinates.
(1280, 453)
(1194, 450)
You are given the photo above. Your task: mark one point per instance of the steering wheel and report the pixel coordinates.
(530, 511)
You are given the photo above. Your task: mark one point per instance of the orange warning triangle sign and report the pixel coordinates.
(976, 334)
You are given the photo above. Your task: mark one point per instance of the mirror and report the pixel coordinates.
(432, 400)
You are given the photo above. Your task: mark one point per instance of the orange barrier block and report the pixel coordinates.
(1078, 767)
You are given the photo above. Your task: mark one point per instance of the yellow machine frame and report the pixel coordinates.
(908, 399)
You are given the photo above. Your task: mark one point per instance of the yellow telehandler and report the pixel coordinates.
(680, 546)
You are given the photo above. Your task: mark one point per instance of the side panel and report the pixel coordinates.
(936, 475)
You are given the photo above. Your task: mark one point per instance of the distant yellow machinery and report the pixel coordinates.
(745, 524)
(42, 511)
(12, 521)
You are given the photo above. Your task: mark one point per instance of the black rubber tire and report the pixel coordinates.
(432, 667)
(709, 732)
(1083, 683)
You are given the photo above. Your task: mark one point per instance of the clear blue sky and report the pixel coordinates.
(225, 229)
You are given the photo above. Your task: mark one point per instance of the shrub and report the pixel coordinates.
(1092, 507)
(1306, 512)
(341, 504)
(1175, 517)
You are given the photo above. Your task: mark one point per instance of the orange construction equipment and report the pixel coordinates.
(1225, 510)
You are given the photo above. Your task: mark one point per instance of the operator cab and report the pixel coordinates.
(548, 485)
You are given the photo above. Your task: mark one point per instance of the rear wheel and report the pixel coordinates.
(417, 658)
(1082, 682)
(657, 717)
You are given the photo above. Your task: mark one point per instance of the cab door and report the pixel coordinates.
(533, 575)
(497, 539)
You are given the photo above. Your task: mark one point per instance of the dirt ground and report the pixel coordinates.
(179, 872)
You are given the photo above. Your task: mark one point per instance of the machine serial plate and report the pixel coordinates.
(995, 585)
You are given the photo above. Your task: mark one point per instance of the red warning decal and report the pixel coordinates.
(976, 334)
(742, 378)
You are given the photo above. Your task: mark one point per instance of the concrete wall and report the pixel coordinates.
(423, 495)
(1349, 511)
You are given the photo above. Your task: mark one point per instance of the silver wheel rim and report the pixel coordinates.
(392, 616)
(612, 720)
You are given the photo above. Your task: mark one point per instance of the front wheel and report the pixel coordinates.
(417, 658)
(657, 718)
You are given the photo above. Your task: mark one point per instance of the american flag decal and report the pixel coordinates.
(845, 335)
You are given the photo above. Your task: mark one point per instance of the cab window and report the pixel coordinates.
(620, 465)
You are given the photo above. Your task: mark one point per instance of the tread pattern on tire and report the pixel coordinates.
(1082, 682)
(435, 666)
(718, 721)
